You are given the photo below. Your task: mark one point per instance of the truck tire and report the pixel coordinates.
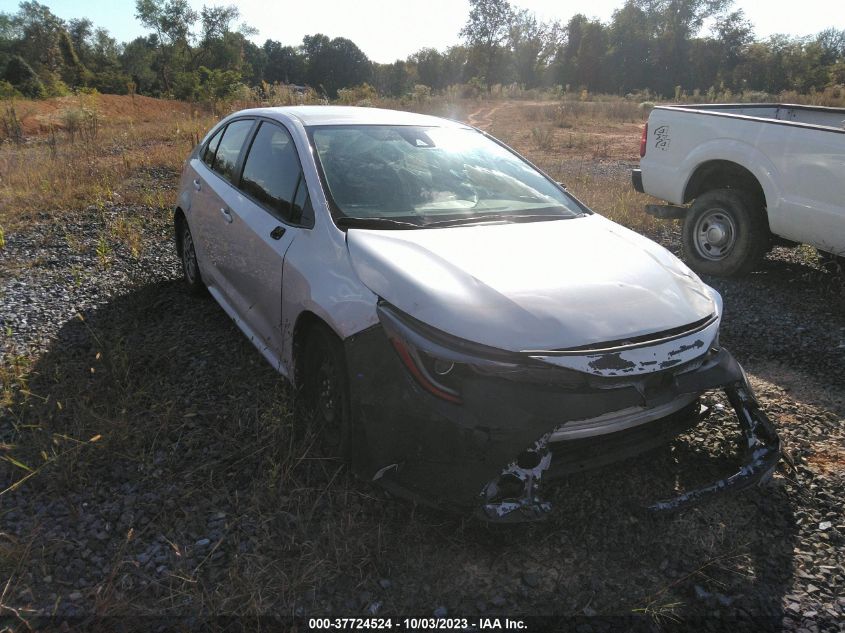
(725, 233)
(834, 264)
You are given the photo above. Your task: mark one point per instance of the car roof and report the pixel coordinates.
(310, 115)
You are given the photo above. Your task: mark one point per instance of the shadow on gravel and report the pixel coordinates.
(786, 324)
(205, 497)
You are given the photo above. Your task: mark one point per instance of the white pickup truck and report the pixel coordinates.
(756, 175)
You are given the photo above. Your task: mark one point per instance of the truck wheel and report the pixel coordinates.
(725, 233)
(834, 264)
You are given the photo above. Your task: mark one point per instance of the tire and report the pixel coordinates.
(188, 255)
(725, 233)
(833, 264)
(325, 390)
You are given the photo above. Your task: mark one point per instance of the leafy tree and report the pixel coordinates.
(757, 67)
(675, 23)
(487, 30)
(396, 79)
(591, 54)
(73, 72)
(216, 84)
(565, 63)
(171, 20)
(837, 74)
(255, 63)
(137, 60)
(653, 44)
(103, 62)
(532, 45)
(352, 67)
(733, 35)
(38, 32)
(23, 78)
(81, 30)
(430, 67)
(285, 64)
(630, 53)
(221, 45)
(832, 44)
(455, 62)
(333, 64)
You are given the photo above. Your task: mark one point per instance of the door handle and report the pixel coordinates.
(197, 184)
(227, 215)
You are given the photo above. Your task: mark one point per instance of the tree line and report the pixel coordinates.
(659, 46)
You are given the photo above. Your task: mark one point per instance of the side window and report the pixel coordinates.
(301, 211)
(229, 148)
(272, 171)
(211, 148)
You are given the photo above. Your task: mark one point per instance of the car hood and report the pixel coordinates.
(535, 286)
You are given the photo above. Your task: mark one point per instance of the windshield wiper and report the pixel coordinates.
(374, 223)
(390, 223)
(500, 217)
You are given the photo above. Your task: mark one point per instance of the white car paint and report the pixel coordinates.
(536, 286)
(796, 153)
(520, 287)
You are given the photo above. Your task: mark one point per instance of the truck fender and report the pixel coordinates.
(744, 155)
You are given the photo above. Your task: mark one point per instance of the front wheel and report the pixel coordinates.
(325, 390)
(725, 233)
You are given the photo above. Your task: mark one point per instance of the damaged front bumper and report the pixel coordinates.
(514, 496)
(495, 448)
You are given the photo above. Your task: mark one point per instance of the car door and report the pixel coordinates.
(201, 202)
(217, 173)
(269, 209)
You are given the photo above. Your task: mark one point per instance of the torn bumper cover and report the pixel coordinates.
(762, 451)
(523, 503)
(480, 429)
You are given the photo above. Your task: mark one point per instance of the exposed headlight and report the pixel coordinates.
(440, 363)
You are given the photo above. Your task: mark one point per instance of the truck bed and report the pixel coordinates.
(790, 160)
(784, 113)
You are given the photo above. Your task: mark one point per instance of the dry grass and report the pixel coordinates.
(90, 150)
(74, 152)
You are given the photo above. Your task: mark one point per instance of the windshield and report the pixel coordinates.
(407, 177)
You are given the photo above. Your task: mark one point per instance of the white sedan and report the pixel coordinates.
(458, 324)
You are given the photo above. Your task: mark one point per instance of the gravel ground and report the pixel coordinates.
(204, 497)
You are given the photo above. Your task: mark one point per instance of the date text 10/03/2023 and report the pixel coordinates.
(418, 624)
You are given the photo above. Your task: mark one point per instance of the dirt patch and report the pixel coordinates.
(551, 130)
(39, 117)
(828, 462)
(483, 117)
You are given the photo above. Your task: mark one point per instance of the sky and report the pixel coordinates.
(387, 30)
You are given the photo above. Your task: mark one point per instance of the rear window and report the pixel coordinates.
(211, 148)
(229, 149)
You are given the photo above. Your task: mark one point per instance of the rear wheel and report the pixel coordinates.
(325, 389)
(190, 265)
(725, 233)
